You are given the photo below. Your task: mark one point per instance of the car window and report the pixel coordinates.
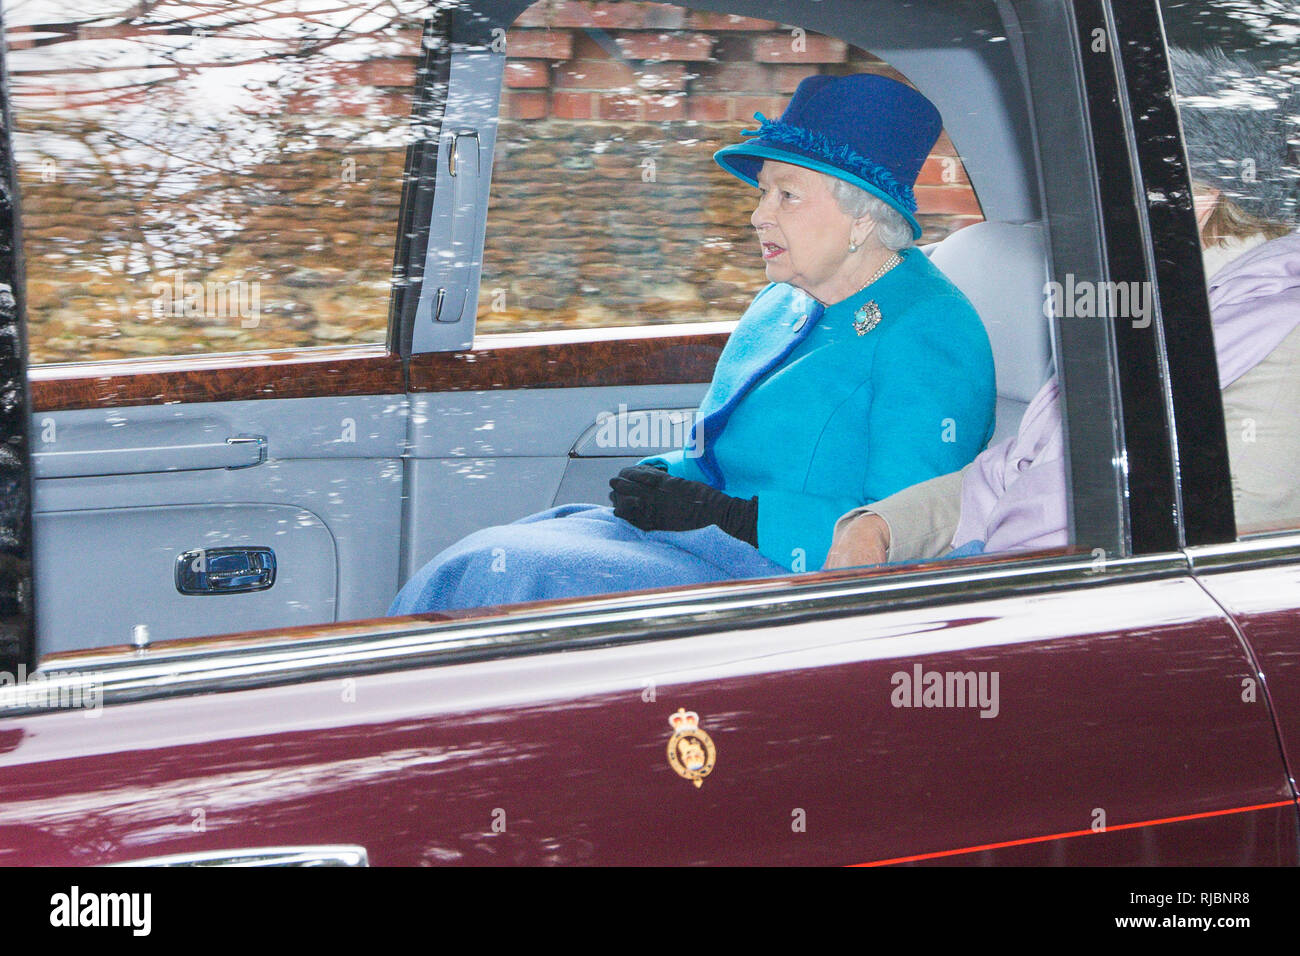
(603, 169)
(228, 186)
(1237, 77)
(630, 211)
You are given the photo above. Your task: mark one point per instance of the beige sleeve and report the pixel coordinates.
(1260, 411)
(922, 519)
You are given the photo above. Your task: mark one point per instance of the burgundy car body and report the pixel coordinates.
(1124, 740)
(1147, 708)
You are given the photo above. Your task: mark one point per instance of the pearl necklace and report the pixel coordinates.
(893, 260)
(868, 316)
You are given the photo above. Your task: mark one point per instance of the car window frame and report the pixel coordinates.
(227, 662)
(1123, 512)
(17, 604)
(349, 369)
(1198, 432)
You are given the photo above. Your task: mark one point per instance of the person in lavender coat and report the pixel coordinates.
(1013, 497)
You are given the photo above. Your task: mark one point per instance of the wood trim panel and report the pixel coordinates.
(655, 355)
(301, 373)
(572, 361)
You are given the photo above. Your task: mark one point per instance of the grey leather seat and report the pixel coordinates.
(1002, 269)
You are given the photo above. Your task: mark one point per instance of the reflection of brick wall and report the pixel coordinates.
(314, 234)
(607, 208)
(311, 225)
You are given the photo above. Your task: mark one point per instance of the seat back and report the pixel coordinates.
(1002, 268)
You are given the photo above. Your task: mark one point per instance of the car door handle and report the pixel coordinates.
(341, 855)
(225, 570)
(146, 448)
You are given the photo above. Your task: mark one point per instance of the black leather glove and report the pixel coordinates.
(653, 500)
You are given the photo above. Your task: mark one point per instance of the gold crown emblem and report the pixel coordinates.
(691, 753)
(684, 721)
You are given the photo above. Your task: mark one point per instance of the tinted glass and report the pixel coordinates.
(228, 184)
(1237, 75)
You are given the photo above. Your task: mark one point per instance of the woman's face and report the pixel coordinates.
(803, 234)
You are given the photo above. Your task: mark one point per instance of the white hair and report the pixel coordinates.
(892, 230)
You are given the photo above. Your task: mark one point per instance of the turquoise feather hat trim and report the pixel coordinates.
(835, 154)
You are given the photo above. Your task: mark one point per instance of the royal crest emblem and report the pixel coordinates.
(866, 318)
(690, 750)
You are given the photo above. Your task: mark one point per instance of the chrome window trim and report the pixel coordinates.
(122, 675)
(1267, 550)
(341, 855)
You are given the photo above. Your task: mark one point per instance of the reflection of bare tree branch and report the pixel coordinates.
(345, 28)
(188, 160)
(127, 28)
(167, 69)
(124, 94)
(211, 64)
(176, 70)
(209, 156)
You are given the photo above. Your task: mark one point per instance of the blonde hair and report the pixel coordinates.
(1228, 221)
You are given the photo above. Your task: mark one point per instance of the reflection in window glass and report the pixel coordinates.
(1237, 76)
(606, 206)
(214, 182)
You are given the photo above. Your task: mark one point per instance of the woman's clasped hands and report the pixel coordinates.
(653, 500)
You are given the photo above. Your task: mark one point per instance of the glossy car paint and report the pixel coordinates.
(1121, 698)
(1122, 733)
(1262, 602)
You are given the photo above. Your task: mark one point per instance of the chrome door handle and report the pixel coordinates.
(341, 855)
(258, 449)
(225, 570)
(453, 159)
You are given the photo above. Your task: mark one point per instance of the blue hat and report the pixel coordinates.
(868, 130)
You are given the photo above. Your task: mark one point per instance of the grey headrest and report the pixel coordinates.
(1002, 269)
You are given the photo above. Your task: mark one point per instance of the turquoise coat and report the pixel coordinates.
(845, 418)
(804, 412)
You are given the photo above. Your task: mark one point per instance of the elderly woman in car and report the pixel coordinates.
(859, 370)
(1013, 497)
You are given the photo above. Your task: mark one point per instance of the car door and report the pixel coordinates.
(218, 418)
(1253, 574)
(321, 478)
(1076, 706)
(252, 484)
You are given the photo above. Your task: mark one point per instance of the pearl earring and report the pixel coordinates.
(853, 247)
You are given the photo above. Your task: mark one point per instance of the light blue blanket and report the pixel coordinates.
(591, 552)
(968, 550)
